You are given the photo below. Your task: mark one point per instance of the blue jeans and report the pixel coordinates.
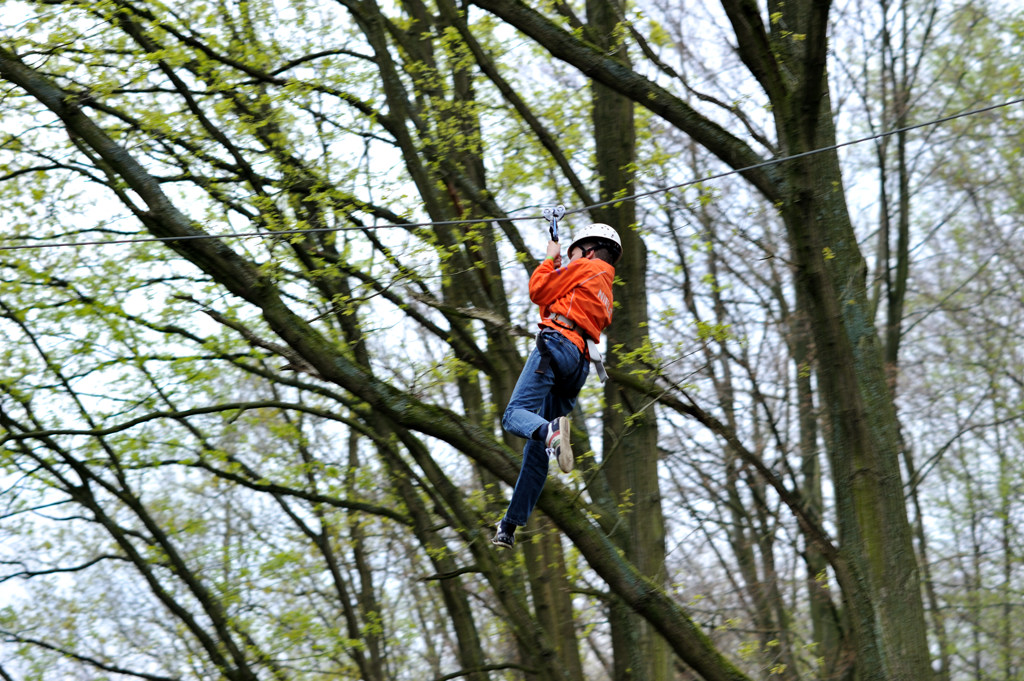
(536, 401)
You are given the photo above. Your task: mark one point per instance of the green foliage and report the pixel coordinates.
(708, 331)
(185, 476)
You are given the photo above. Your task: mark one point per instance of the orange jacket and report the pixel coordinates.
(580, 291)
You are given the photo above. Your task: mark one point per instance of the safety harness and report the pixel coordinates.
(593, 351)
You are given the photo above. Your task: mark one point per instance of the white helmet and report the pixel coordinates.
(598, 230)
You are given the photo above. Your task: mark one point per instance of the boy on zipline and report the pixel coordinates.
(576, 306)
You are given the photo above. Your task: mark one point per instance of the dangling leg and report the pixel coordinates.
(523, 418)
(537, 411)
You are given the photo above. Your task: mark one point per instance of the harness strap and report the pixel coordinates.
(592, 350)
(565, 323)
(597, 360)
(545, 355)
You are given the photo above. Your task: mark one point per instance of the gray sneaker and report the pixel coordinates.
(557, 443)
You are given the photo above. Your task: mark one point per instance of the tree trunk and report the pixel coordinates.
(862, 429)
(630, 445)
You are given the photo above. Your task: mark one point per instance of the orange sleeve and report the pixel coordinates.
(548, 284)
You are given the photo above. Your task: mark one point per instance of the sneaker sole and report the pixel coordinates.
(565, 458)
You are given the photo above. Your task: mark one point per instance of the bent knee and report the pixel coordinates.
(506, 419)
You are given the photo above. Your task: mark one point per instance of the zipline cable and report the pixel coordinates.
(774, 161)
(631, 197)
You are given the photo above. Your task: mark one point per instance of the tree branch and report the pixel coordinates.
(593, 63)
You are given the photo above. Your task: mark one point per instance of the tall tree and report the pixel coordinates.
(787, 56)
(630, 455)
